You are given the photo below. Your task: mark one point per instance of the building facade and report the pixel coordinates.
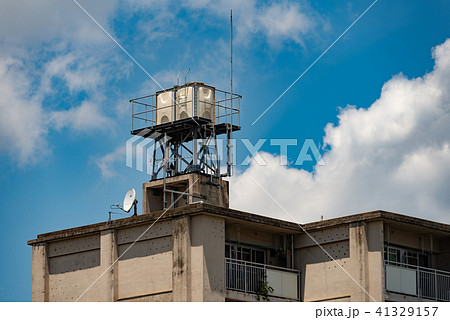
(208, 252)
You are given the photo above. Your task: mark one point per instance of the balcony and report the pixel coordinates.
(249, 277)
(417, 281)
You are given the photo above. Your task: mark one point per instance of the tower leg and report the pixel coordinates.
(229, 153)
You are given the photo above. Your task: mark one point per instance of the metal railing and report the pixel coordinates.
(425, 282)
(225, 108)
(248, 277)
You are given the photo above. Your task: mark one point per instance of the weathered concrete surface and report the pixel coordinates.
(39, 271)
(181, 257)
(359, 261)
(145, 256)
(197, 187)
(322, 278)
(375, 243)
(107, 284)
(158, 297)
(208, 258)
(357, 272)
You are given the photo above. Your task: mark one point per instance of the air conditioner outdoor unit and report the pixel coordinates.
(191, 100)
(185, 103)
(205, 109)
(195, 100)
(164, 107)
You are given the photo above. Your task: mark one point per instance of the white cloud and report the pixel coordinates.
(46, 63)
(282, 21)
(277, 21)
(106, 163)
(46, 20)
(28, 116)
(22, 122)
(79, 73)
(167, 78)
(84, 117)
(161, 25)
(395, 156)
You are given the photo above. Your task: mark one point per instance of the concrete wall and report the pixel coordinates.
(322, 278)
(406, 238)
(256, 236)
(40, 275)
(207, 258)
(87, 266)
(182, 257)
(356, 271)
(366, 253)
(143, 266)
(179, 259)
(375, 253)
(74, 264)
(213, 191)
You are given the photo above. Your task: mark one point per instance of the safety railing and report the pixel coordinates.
(224, 108)
(255, 278)
(418, 281)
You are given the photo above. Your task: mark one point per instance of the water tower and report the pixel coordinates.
(190, 126)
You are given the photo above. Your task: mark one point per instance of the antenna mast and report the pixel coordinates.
(231, 52)
(229, 132)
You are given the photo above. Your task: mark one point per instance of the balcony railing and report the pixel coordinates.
(248, 277)
(417, 281)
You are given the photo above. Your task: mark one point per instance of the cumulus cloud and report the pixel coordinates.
(78, 73)
(285, 21)
(44, 68)
(27, 116)
(394, 155)
(32, 105)
(277, 21)
(46, 20)
(106, 163)
(84, 117)
(22, 123)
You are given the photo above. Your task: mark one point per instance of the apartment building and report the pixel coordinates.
(205, 251)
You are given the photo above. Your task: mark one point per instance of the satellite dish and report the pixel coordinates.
(129, 200)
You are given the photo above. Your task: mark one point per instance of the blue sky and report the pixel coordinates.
(377, 104)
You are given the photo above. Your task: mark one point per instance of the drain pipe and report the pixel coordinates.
(292, 252)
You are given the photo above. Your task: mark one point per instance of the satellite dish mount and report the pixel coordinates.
(129, 202)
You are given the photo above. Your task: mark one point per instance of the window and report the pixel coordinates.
(412, 258)
(245, 253)
(392, 254)
(407, 256)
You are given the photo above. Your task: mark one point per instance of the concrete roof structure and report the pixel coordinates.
(242, 216)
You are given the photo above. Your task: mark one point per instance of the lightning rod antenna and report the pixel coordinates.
(231, 52)
(229, 130)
